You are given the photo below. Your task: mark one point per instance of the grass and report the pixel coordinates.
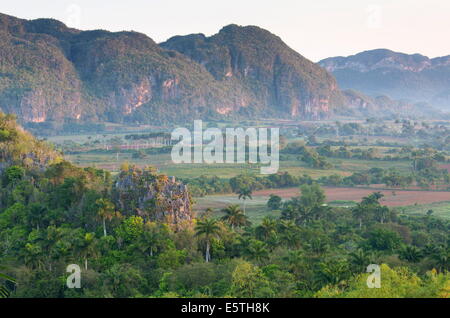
(163, 162)
(440, 209)
(342, 203)
(354, 165)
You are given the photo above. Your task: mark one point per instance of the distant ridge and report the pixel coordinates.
(398, 75)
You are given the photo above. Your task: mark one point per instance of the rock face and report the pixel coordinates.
(52, 73)
(267, 73)
(400, 76)
(151, 196)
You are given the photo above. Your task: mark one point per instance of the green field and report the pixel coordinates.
(256, 209)
(163, 162)
(440, 209)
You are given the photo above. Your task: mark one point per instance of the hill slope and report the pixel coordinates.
(18, 147)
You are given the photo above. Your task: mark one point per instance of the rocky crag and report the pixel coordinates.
(154, 197)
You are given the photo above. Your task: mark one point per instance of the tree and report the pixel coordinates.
(249, 281)
(411, 254)
(382, 212)
(373, 198)
(395, 283)
(234, 216)
(36, 214)
(312, 195)
(244, 194)
(13, 174)
(332, 272)
(274, 202)
(266, 229)
(289, 233)
(311, 204)
(360, 259)
(149, 238)
(359, 212)
(441, 258)
(383, 240)
(89, 248)
(257, 251)
(105, 211)
(208, 229)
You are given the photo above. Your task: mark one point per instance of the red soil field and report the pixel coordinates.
(391, 197)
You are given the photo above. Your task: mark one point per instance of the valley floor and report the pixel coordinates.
(406, 201)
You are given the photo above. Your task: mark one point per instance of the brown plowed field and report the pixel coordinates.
(391, 197)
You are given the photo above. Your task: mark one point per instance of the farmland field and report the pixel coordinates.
(410, 202)
(163, 162)
(89, 150)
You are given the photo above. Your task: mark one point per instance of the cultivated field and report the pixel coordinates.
(391, 197)
(411, 202)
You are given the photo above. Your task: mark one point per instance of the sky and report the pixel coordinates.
(316, 29)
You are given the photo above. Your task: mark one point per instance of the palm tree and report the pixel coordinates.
(257, 250)
(149, 239)
(106, 211)
(4, 290)
(294, 260)
(411, 254)
(37, 213)
(359, 212)
(383, 212)
(244, 194)
(234, 216)
(332, 272)
(318, 246)
(89, 248)
(267, 228)
(360, 259)
(373, 198)
(442, 259)
(208, 229)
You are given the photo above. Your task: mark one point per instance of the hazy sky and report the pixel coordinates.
(315, 28)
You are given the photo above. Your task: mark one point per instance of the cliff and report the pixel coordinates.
(154, 197)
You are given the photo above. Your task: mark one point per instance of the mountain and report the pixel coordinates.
(265, 71)
(50, 73)
(398, 75)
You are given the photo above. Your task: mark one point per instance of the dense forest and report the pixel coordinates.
(53, 214)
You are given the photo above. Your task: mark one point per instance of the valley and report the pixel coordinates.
(110, 151)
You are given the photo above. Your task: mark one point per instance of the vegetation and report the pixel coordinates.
(54, 213)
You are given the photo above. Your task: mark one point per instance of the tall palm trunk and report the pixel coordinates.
(104, 227)
(207, 255)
